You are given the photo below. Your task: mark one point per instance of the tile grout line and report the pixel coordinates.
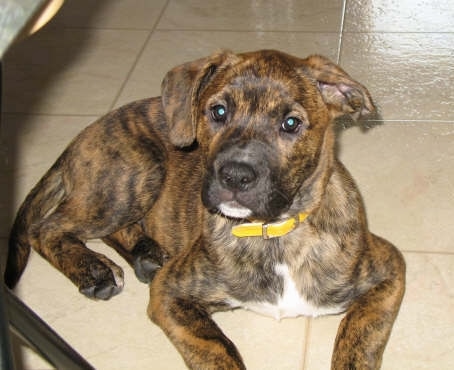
(139, 55)
(129, 73)
(249, 30)
(56, 114)
(442, 253)
(306, 342)
(241, 30)
(341, 31)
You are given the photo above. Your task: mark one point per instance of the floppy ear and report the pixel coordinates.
(342, 94)
(180, 91)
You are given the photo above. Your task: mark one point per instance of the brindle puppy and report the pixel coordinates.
(229, 181)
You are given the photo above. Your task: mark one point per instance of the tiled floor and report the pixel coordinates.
(96, 55)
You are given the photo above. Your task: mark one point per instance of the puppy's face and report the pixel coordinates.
(262, 122)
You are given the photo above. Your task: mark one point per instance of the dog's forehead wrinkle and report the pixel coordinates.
(261, 84)
(258, 108)
(272, 98)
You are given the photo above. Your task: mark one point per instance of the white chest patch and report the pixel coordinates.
(289, 304)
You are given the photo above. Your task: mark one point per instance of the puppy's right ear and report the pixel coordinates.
(341, 93)
(180, 92)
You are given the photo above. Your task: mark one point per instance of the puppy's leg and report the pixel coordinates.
(94, 274)
(141, 252)
(60, 238)
(364, 331)
(182, 296)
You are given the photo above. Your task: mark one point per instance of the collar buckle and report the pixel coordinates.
(265, 231)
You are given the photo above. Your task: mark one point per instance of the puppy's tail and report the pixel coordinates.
(42, 199)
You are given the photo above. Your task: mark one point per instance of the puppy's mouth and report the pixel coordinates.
(233, 209)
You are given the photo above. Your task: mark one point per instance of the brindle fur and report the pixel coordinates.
(149, 179)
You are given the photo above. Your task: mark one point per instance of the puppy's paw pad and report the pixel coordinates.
(146, 268)
(148, 259)
(104, 290)
(103, 282)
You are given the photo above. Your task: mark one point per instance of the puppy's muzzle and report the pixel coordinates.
(239, 181)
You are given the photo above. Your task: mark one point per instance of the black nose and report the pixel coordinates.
(237, 176)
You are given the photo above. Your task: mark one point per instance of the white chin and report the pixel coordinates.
(234, 210)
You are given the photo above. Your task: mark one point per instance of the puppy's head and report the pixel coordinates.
(262, 119)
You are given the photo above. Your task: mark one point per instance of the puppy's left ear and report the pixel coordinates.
(180, 91)
(342, 94)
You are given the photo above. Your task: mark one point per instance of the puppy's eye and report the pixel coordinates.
(219, 113)
(291, 125)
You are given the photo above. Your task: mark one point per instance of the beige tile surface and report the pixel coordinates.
(293, 15)
(80, 71)
(97, 55)
(403, 70)
(423, 332)
(423, 335)
(399, 16)
(264, 343)
(406, 175)
(118, 14)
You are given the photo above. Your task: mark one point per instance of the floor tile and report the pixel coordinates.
(119, 14)
(33, 143)
(28, 358)
(275, 15)
(69, 71)
(167, 49)
(321, 336)
(399, 16)
(421, 335)
(402, 70)
(406, 176)
(264, 343)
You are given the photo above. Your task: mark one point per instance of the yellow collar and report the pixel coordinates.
(269, 230)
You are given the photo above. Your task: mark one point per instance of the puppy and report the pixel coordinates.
(224, 192)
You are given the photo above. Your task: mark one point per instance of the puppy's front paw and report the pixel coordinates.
(102, 282)
(148, 259)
